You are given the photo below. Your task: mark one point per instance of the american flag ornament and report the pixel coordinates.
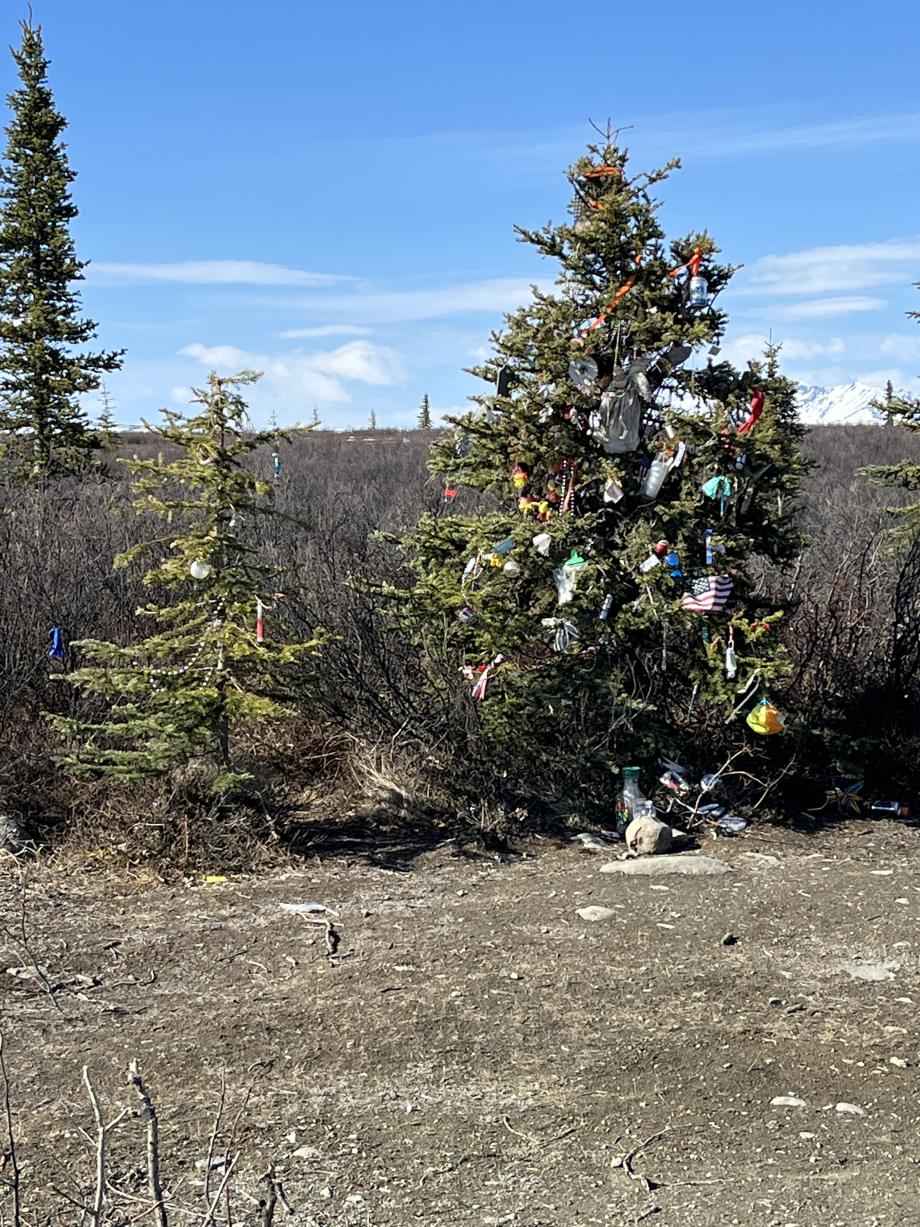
(707, 595)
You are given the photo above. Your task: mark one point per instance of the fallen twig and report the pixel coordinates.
(148, 1113)
(102, 1134)
(213, 1138)
(16, 1172)
(625, 1162)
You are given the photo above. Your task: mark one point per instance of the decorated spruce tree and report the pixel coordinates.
(599, 585)
(211, 661)
(44, 367)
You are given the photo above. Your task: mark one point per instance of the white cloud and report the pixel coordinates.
(833, 269)
(296, 380)
(903, 346)
(493, 295)
(363, 361)
(739, 350)
(826, 308)
(210, 272)
(326, 330)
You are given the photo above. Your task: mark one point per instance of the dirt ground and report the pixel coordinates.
(475, 1052)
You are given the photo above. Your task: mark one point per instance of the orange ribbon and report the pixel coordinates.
(693, 264)
(615, 301)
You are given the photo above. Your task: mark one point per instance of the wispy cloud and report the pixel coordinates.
(326, 330)
(736, 133)
(826, 308)
(832, 270)
(297, 379)
(842, 134)
(210, 272)
(496, 294)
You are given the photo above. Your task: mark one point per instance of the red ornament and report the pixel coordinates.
(450, 493)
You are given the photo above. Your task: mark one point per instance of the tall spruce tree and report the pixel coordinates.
(424, 414)
(43, 369)
(209, 663)
(603, 599)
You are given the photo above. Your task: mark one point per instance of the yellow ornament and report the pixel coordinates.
(766, 719)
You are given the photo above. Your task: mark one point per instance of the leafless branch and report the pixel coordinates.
(16, 1170)
(149, 1115)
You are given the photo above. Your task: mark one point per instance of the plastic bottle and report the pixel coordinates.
(658, 471)
(630, 798)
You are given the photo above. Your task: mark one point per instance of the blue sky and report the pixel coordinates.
(327, 192)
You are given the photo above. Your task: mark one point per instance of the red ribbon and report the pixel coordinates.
(754, 416)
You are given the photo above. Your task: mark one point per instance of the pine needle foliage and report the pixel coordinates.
(424, 414)
(619, 670)
(181, 692)
(44, 369)
(900, 411)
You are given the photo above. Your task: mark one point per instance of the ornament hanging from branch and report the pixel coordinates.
(566, 577)
(583, 372)
(56, 648)
(709, 594)
(485, 675)
(591, 187)
(766, 719)
(757, 403)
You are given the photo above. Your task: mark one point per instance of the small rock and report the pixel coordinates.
(899, 1062)
(593, 912)
(729, 939)
(305, 1152)
(591, 843)
(461, 894)
(787, 1101)
(515, 975)
(852, 1109)
(690, 864)
(307, 909)
(325, 1192)
(646, 836)
(875, 972)
(13, 835)
(807, 1137)
(775, 1001)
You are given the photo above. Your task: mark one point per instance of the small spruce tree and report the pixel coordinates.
(372, 420)
(603, 599)
(207, 666)
(43, 369)
(424, 414)
(901, 411)
(105, 424)
(887, 403)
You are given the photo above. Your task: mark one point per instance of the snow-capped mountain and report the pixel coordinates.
(847, 404)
